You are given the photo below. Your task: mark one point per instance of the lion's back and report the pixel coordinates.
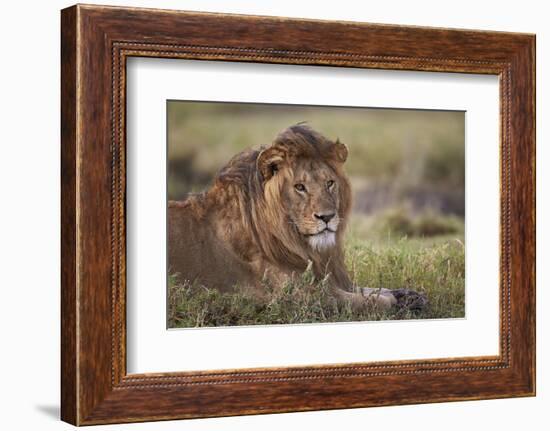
(195, 253)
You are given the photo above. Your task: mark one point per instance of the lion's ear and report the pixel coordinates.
(339, 151)
(269, 162)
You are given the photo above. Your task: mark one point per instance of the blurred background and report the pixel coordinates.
(407, 167)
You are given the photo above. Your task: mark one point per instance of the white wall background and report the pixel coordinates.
(29, 214)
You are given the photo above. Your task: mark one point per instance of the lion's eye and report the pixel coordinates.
(330, 183)
(300, 187)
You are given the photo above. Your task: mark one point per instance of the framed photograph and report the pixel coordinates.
(264, 214)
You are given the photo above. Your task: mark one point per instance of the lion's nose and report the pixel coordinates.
(325, 217)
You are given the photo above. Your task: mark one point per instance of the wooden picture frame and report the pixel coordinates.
(95, 43)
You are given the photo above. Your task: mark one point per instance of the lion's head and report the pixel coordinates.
(305, 188)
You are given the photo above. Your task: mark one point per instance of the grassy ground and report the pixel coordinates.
(432, 265)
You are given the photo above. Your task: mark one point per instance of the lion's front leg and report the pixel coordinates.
(402, 298)
(368, 298)
(382, 298)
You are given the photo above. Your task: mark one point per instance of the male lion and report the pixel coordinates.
(270, 212)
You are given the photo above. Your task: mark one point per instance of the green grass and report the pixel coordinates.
(431, 265)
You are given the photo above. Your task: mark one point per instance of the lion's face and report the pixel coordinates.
(305, 187)
(311, 196)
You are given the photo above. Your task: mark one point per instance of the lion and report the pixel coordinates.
(271, 212)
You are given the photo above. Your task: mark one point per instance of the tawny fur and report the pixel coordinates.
(253, 223)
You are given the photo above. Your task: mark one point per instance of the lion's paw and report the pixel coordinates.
(381, 298)
(403, 299)
(410, 299)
